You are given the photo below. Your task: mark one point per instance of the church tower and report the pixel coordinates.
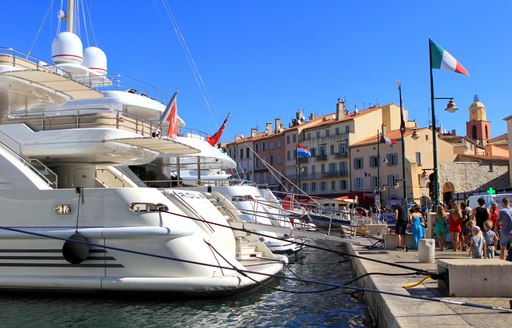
(478, 128)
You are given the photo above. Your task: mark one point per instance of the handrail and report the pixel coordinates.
(46, 169)
(26, 163)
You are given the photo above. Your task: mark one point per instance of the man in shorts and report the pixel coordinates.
(401, 220)
(505, 218)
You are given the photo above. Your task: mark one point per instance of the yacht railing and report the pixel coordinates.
(52, 184)
(83, 118)
(45, 171)
(24, 61)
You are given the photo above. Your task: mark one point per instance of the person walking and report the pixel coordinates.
(477, 246)
(440, 227)
(401, 225)
(505, 219)
(416, 221)
(455, 226)
(491, 239)
(480, 214)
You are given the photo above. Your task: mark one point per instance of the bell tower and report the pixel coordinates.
(478, 128)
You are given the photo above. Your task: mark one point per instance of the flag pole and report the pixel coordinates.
(435, 192)
(402, 132)
(379, 186)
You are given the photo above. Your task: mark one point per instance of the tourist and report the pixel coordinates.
(477, 246)
(401, 225)
(491, 239)
(494, 211)
(440, 226)
(455, 226)
(505, 219)
(465, 234)
(416, 221)
(481, 213)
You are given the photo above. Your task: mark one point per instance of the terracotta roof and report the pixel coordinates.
(485, 157)
(394, 134)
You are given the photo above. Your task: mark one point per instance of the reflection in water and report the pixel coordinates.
(260, 307)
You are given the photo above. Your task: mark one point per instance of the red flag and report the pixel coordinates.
(213, 140)
(170, 116)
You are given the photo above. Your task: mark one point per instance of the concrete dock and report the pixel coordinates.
(396, 311)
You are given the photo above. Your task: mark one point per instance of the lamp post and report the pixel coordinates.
(450, 108)
(402, 132)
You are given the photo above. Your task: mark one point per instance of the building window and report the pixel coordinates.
(279, 160)
(241, 154)
(313, 169)
(313, 186)
(312, 151)
(327, 132)
(323, 186)
(288, 139)
(359, 183)
(288, 155)
(337, 131)
(343, 185)
(247, 152)
(374, 161)
(374, 181)
(318, 134)
(279, 144)
(332, 169)
(332, 149)
(308, 136)
(347, 128)
(418, 158)
(358, 163)
(305, 187)
(333, 185)
(271, 160)
(271, 145)
(343, 169)
(294, 138)
(392, 159)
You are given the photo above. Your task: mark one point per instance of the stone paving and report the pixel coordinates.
(396, 311)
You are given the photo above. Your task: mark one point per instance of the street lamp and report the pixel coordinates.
(450, 108)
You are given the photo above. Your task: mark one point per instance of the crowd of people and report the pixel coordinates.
(480, 231)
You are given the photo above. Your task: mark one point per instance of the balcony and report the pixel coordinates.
(303, 160)
(341, 155)
(322, 157)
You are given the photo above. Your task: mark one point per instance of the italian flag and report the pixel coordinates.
(441, 59)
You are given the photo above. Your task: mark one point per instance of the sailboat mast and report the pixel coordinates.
(71, 15)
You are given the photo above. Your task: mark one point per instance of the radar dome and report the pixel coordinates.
(67, 48)
(96, 60)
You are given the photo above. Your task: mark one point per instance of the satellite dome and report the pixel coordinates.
(67, 48)
(96, 60)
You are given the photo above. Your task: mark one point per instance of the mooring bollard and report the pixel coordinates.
(427, 250)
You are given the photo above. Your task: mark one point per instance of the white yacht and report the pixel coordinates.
(69, 222)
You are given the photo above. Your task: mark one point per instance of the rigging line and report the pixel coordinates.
(88, 10)
(190, 60)
(360, 289)
(268, 286)
(40, 28)
(420, 271)
(85, 22)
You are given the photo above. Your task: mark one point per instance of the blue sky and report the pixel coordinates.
(265, 59)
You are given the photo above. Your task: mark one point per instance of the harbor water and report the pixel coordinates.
(275, 305)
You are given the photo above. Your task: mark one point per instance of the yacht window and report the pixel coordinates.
(148, 207)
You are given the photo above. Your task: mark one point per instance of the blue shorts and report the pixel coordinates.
(504, 240)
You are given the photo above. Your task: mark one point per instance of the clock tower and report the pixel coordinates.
(478, 128)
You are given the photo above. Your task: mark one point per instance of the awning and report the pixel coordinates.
(163, 146)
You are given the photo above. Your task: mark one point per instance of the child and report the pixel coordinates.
(490, 239)
(477, 247)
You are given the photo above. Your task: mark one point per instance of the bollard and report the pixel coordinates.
(427, 250)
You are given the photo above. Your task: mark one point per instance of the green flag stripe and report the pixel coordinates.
(437, 55)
